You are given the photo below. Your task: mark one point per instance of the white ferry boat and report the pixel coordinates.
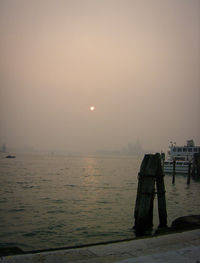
(182, 155)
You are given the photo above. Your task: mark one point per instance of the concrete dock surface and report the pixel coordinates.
(176, 247)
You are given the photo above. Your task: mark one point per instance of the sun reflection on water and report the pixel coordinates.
(90, 171)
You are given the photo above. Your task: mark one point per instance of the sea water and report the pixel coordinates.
(49, 201)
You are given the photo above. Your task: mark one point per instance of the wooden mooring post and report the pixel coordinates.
(196, 166)
(174, 172)
(189, 172)
(151, 173)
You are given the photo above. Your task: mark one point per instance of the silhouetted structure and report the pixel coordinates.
(151, 173)
(4, 148)
(196, 166)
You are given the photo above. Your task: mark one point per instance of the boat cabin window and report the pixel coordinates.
(174, 149)
(179, 158)
(180, 163)
(189, 149)
(195, 150)
(179, 149)
(184, 149)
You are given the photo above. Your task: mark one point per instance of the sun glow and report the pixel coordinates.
(92, 108)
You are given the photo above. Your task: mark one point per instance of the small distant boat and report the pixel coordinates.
(10, 156)
(182, 155)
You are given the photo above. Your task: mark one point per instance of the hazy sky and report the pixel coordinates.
(136, 61)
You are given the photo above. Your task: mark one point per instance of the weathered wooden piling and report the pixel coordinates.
(162, 156)
(189, 172)
(174, 172)
(196, 166)
(160, 185)
(150, 173)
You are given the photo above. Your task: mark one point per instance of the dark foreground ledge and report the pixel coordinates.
(176, 247)
(8, 251)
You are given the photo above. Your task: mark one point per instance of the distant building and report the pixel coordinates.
(133, 149)
(4, 148)
(129, 149)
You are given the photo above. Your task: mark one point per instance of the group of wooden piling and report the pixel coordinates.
(150, 182)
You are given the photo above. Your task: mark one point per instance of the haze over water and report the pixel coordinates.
(137, 62)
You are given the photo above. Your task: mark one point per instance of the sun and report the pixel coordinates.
(92, 108)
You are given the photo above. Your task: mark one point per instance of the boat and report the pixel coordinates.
(181, 167)
(181, 157)
(10, 156)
